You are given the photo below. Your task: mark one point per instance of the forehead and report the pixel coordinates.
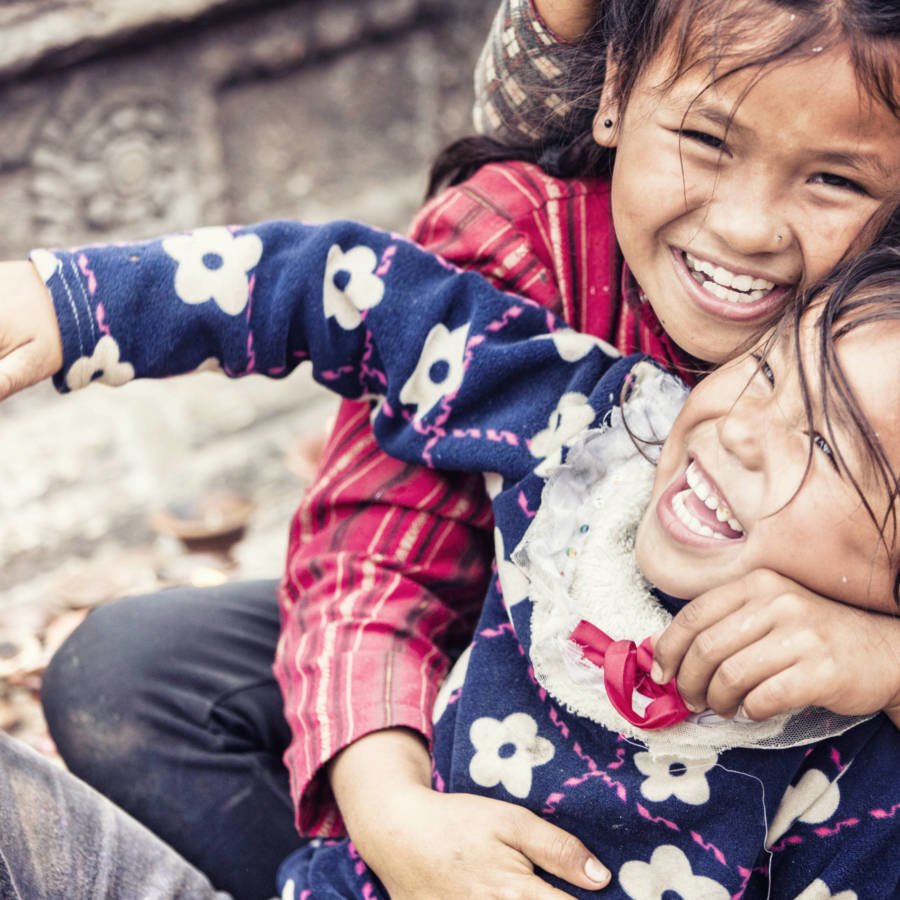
(710, 39)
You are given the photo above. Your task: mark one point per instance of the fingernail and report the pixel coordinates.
(595, 871)
(693, 707)
(656, 673)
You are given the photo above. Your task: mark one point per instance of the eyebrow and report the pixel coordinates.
(855, 161)
(860, 161)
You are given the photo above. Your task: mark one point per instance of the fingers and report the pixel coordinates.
(30, 340)
(15, 373)
(672, 646)
(765, 644)
(733, 646)
(558, 852)
(725, 661)
(784, 690)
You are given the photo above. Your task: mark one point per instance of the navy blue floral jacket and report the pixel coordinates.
(465, 377)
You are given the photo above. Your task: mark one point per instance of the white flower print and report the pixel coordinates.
(439, 371)
(811, 800)
(287, 892)
(572, 415)
(513, 580)
(102, 365)
(212, 265)
(573, 345)
(350, 284)
(452, 682)
(669, 870)
(818, 890)
(506, 752)
(46, 263)
(673, 776)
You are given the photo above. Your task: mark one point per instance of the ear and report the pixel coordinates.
(609, 115)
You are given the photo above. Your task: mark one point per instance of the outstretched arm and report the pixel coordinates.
(376, 315)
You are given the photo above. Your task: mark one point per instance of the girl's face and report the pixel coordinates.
(720, 222)
(733, 493)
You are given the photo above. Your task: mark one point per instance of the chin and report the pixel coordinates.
(656, 565)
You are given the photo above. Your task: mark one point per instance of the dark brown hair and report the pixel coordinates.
(709, 33)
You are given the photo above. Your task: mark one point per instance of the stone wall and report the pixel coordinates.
(310, 108)
(125, 118)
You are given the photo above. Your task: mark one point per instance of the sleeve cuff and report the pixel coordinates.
(70, 290)
(317, 813)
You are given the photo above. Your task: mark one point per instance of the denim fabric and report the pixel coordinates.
(167, 705)
(61, 839)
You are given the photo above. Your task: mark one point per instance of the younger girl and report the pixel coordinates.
(754, 144)
(787, 457)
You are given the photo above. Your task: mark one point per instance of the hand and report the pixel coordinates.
(461, 845)
(568, 19)
(766, 645)
(453, 845)
(30, 342)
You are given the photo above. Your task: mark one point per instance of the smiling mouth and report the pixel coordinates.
(702, 511)
(725, 284)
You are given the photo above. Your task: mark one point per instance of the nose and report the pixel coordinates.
(741, 431)
(745, 214)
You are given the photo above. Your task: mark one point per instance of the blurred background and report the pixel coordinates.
(122, 119)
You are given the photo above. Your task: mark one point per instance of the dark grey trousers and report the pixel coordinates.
(61, 840)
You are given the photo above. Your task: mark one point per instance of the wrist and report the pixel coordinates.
(22, 286)
(375, 781)
(370, 770)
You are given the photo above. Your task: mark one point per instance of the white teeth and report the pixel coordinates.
(704, 492)
(727, 285)
(692, 522)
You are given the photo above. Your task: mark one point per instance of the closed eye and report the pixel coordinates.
(764, 368)
(820, 443)
(839, 181)
(702, 137)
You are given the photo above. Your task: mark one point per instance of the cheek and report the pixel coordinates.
(825, 240)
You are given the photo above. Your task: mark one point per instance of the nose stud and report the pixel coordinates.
(779, 237)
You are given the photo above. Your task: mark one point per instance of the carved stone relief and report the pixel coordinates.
(302, 109)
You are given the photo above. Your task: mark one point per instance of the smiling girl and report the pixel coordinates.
(786, 457)
(752, 145)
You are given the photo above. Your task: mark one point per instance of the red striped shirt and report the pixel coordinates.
(387, 562)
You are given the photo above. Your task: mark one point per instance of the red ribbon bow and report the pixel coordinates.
(626, 669)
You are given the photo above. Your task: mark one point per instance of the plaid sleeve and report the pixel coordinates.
(387, 567)
(524, 84)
